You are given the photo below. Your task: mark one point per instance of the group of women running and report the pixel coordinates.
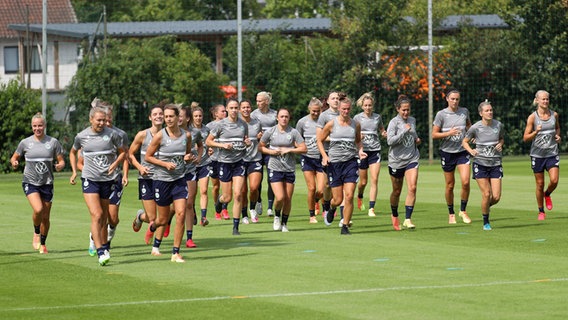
(339, 156)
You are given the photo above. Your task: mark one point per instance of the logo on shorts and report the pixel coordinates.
(157, 193)
(85, 184)
(26, 188)
(144, 190)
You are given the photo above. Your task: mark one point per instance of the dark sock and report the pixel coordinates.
(203, 213)
(277, 213)
(312, 213)
(244, 212)
(486, 218)
(371, 204)
(189, 234)
(270, 204)
(409, 210)
(111, 226)
(175, 250)
(463, 205)
(218, 206)
(153, 227)
(540, 209)
(100, 251)
(394, 211)
(36, 229)
(106, 246)
(236, 223)
(42, 239)
(252, 205)
(326, 205)
(157, 242)
(360, 196)
(547, 194)
(284, 219)
(223, 206)
(451, 209)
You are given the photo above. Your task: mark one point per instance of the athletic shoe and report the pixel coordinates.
(225, 214)
(269, 212)
(395, 223)
(359, 203)
(92, 248)
(177, 258)
(285, 228)
(42, 249)
(156, 252)
(204, 221)
(548, 201)
(253, 216)
(465, 218)
(236, 232)
(408, 224)
(149, 234)
(313, 219)
(190, 244)
(245, 220)
(372, 212)
(137, 223)
(487, 227)
(194, 219)
(276, 225)
(345, 231)
(110, 233)
(258, 208)
(218, 216)
(452, 219)
(36, 241)
(317, 208)
(541, 216)
(104, 258)
(341, 223)
(167, 230)
(328, 218)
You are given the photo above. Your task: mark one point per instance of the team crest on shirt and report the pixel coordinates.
(106, 138)
(48, 146)
(289, 137)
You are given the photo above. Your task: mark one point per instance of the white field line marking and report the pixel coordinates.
(291, 294)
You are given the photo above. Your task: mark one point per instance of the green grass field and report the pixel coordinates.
(519, 270)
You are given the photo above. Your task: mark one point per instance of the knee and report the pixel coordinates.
(412, 189)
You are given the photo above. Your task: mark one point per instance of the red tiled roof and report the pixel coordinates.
(14, 12)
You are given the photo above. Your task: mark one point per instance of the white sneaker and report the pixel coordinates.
(258, 208)
(277, 225)
(245, 220)
(372, 213)
(341, 223)
(110, 233)
(104, 258)
(92, 248)
(156, 251)
(269, 212)
(285, 228)
(253, 216)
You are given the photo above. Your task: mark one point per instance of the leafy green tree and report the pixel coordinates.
(19, 104)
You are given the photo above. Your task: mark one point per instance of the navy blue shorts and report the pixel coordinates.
(449, 160)
(538, 165)
(190, 176)
(252, 167)
(116, 194)
(145, 187)
(399, 173)
(281, 176)
(229, 170)
(483, 172)
(103, 188)
(166, 192)
(343, 172)
(45, 191)
(372, 158)
(203, 172)
(311, 164)
(213, 170)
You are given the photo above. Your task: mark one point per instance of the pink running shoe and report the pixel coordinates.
(395, 223)
(541, 216)
(548, 202)
(225, 214)
(149, 234)
(167, 231)
(190, 244)
(218, 216)
(42, 249)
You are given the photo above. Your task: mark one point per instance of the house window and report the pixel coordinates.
(11, 63)
(35, 59)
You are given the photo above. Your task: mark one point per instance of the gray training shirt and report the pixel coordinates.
(446, 120)
(143, 161)
(402, 142)
(486, 138)
(323, 119)
(544, 144)
(234, 133)
(100, 150)
(307, 129)
(254, 129)
(171, 149)
(39, 156)
(274, 138)
(342, 142)
(267, 120)
(370, 127)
